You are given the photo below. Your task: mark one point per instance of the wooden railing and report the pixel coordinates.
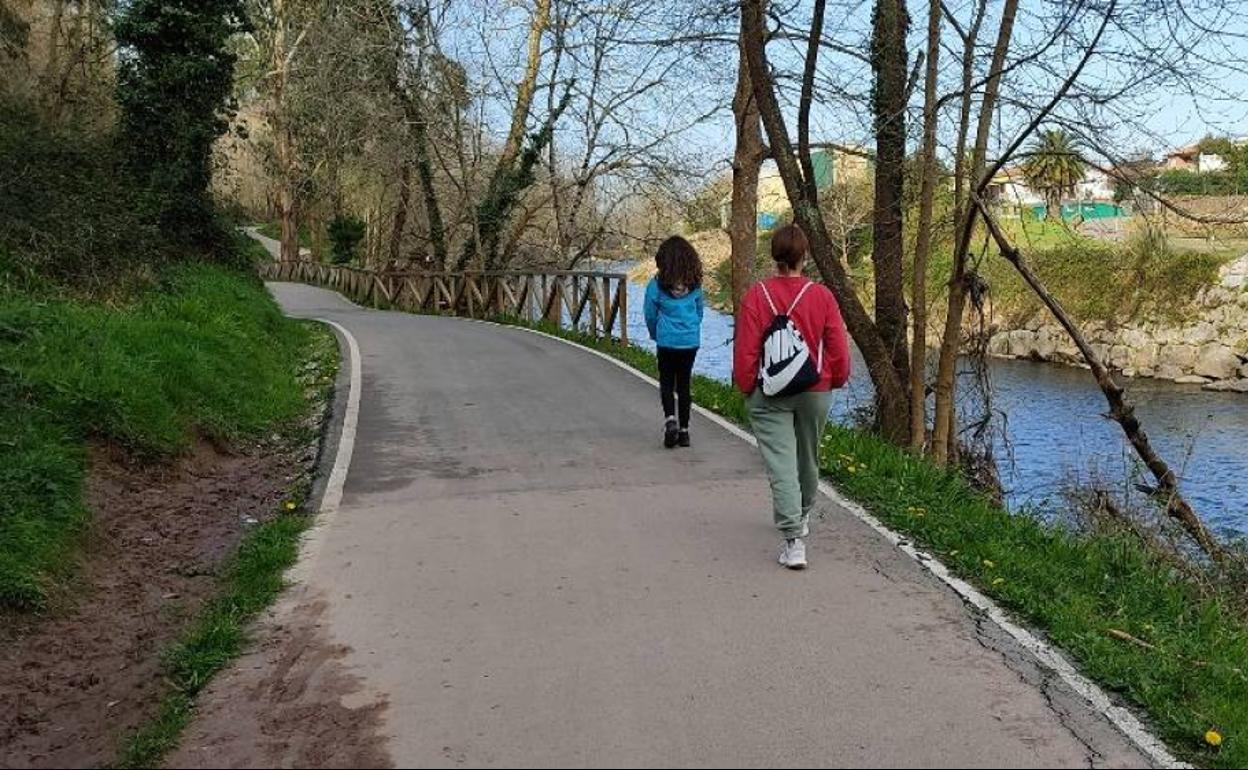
(594, 301)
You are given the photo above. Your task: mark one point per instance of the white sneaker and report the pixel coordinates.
(793, 554)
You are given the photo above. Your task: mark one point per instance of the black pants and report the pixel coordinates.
(675, 371)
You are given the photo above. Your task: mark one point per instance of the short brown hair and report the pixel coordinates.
(678, 263)
(789, 246)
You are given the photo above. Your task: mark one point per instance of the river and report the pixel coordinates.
(1055, 432)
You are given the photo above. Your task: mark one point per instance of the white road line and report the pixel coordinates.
(332, 497)
(1045, 653)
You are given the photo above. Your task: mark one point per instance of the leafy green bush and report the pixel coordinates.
(345, 234)
(67, 208)
(1182, 182)
(174, 86)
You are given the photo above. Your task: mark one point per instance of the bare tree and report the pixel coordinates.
(278, 32)
(889, 60)
(747, 158)
(944, 436)
(923, 244)
(892, 395)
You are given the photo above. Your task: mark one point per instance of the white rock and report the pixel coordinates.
(1234, 275)
(1120, 356)
(1144, 357)
(1233, 386)
(1169, 372)
(1217, 362)
(1166, 336)
(1200, 334)
(1134, 338)
(1182, 357)
(1192, 379)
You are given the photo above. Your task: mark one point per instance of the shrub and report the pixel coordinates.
(174, 87)
(345, 234)
(67, 208)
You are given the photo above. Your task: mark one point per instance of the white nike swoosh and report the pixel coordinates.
(792, 368)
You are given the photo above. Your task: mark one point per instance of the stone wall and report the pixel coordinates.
(1210, 350)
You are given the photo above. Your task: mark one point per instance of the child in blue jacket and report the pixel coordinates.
(674, 317)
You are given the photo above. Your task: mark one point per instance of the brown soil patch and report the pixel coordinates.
(289, 702)
(78, 680)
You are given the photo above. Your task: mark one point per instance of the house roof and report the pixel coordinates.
(1186, 152)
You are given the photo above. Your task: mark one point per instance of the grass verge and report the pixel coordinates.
(205, 353)
(1077, 588)
(250, 581)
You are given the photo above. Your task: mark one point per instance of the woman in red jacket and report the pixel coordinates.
(789, 352)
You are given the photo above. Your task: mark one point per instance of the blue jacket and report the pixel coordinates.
(674, 322)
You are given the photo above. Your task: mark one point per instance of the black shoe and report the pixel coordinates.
(669, 434)
(683, 438)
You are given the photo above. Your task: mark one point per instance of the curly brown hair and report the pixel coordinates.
(678, 263)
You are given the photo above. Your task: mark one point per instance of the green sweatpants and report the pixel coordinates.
(788, 430)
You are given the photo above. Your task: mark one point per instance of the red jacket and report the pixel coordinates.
(817, 317)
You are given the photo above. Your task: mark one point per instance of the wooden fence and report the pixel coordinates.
(593, 301)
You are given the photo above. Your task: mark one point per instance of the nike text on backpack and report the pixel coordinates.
(786, 367)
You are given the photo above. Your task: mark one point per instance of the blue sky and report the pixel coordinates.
(1153, 116)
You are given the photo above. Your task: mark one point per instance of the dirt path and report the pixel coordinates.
(518, 576)
(79, 679)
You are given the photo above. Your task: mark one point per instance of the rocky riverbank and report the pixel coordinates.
(1210, 349)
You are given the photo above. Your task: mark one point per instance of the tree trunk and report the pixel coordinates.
(527, 86)
(1053, 211)
(316, 227)
(747, 157)
(486, 235)
(283, 139)
(52, 67)
(944, 437)
(433, 210)
(399, 225)
(890, 390)
(888, 60)
(923, 244)
(1121, 410)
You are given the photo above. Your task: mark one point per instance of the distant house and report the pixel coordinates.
(1093, 198)
(1096, 185)
(1183, 158)
(833, 165)
(1190, 158)
(1009, 188)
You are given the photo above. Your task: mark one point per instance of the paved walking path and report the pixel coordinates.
(520, 576)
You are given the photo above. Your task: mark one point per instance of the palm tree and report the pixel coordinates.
(1053, 168)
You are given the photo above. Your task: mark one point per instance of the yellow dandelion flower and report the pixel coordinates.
(998, 581)
(989, 563)
(852, 469)
(290, 506)
(1213, 738)
(954, 552)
